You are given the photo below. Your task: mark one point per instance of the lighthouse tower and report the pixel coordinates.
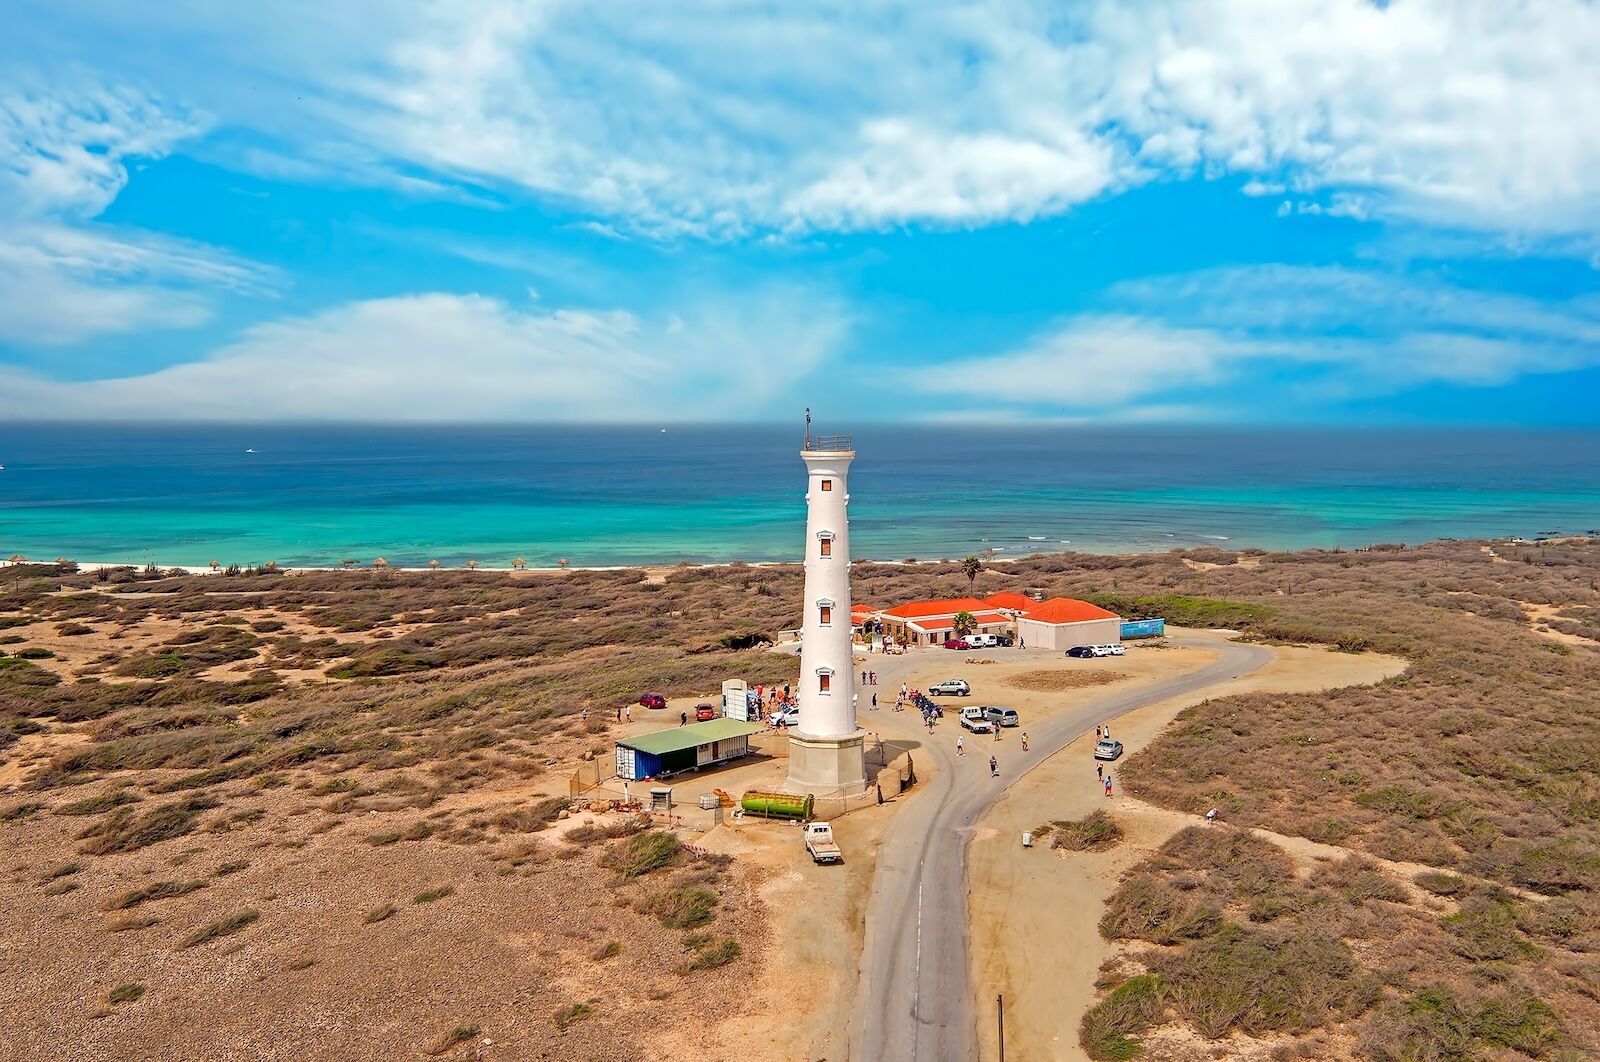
(826, 749)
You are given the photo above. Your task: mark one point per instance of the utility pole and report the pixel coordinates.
(1000, 1019)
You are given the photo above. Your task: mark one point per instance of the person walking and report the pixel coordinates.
(874, 702)
(1097, 732)
(630, 713)
(1099, 770)
(619, 713)
(1211, 816)
(1108, 785)
(863, 678)
(994, 767)
(872, 677)
(683, 718)
(961, 747)
(1024, 741)
(583, 716)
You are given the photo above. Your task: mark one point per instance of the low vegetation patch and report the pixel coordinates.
(222, 927)
(160, 890)
(450, 1039)
(1109, 1029)
(430, 895)
(124, 831)
(569, 1016)
(1062, 681)
(1095, 833)
(380, 913)
(683, 908)
(642, 853)
(125, 993)
(711, 956)
(99, 804)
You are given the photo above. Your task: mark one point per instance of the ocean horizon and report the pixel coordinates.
(315, 496)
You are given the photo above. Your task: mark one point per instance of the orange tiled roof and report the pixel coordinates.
(1066, 610)
(1014, 601)
(946, 607)
(983, 619)
(862, 610)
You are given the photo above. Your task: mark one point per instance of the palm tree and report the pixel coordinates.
(970, 567)
(433, 565)
(519, 564)
(964, 623)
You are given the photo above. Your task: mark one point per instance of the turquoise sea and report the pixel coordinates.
(315, 496)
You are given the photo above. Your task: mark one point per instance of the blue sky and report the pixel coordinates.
(1240, 211)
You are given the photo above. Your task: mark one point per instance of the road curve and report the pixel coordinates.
(914, 1002)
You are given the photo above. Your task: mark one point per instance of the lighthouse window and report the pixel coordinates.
(827, 484)
(827, 547)
(823, 682)
(827, 614)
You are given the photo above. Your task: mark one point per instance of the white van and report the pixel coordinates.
(982, 641)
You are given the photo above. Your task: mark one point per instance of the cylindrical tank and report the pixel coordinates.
(777, 805)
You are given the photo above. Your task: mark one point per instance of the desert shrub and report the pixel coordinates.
(714, 955)
(125, 993)
(642, 853)
(125, 923)
(35, 652)
(380, 913)
(683, 908)
(436, 893)
(18, 812)
(608, 950)
(60, 871)
(450, 1038)
(1265, 980)
(1434, 1024)
(1146, 908)
(1106, 1031)
(567, 1017)
(1094, 833)
(99, 804)
(160, 890)
(1358, 879)
(1440, 883)
(1485, 927)
(1183, 611)
(1401, 800)
(232, 866)
(222, 927)
(124, 831)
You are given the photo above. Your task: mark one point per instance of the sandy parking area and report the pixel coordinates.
(1035, 912)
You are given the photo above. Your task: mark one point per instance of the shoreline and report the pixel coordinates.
(665, 565)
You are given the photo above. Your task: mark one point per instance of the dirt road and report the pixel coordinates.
(914, 998)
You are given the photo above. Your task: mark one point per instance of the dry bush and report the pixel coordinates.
(222, 927)
(124, 831)
(683, 908)
(1095, 833)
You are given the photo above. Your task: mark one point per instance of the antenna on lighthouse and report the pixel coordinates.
(808, 427)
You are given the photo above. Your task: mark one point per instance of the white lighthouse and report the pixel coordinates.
(826, 750)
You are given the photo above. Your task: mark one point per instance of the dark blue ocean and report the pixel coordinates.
(315, 496)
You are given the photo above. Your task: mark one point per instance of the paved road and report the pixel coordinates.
(915, 996)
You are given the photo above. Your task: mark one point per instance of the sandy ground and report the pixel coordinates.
(1035, 912)
(1540, 615)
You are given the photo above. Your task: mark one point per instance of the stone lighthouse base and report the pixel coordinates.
(825, 765)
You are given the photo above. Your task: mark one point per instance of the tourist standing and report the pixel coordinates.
(994, 767)
(874, 702)
(630, 713)
(1024, 741)
(1099, 771)
(961, 747)
(1108, 785)
(683, 718)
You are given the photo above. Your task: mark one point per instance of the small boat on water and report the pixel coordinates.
(1035, 538)
(250, 449)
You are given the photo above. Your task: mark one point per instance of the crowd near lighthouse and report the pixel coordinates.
(826, 749)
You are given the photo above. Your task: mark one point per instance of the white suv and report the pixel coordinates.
(1108, 650)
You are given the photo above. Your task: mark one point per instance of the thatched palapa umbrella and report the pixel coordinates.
(380, 563)
(519, 564)
(215, 565)
(563, 562)
(17, 558)
(434, 564)
(472, 564)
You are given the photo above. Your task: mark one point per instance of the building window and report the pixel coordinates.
(823, 682)
(826, 615)
(827, 547)
(827, 484)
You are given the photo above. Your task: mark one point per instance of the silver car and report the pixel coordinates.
(1108, 749)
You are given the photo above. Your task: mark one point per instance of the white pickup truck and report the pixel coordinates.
(820, 843)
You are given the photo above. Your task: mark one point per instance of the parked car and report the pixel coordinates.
(955, 643)
(1108, 749)
(704, 713)
(1114, 649)
(1081, 651)
(786, 716)
(653, 700)
(951, 688)
(1002, 716)
(1006, 640)
(981, 641)
(820, 844)
(977, 724)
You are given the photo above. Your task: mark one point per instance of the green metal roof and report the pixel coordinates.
(688, 737)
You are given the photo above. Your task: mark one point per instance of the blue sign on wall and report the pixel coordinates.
(1153, 628)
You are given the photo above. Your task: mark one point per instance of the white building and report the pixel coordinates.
(1063, 622)
(826, 748)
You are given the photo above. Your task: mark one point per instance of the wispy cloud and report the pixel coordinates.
(443, 357)
(1235, 341)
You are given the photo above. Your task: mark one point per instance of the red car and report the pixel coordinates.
(955, 643)
(653, 700)
(704, 713)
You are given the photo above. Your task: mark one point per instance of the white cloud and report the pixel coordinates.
(64, 157)
(442, 357)
(1315, 334)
